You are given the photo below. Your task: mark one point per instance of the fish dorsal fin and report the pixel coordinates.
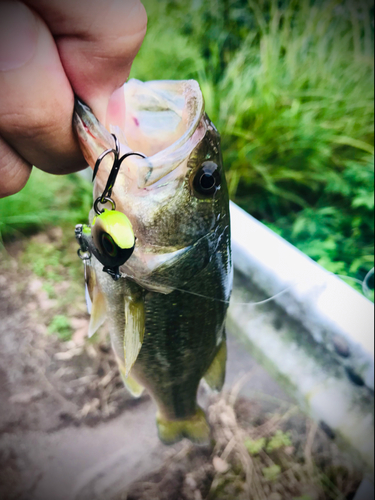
(215, 375)
(134, 329)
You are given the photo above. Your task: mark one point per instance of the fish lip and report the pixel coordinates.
(80, 107)
(81, 116)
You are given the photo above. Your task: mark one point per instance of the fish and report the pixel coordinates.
(166, 312)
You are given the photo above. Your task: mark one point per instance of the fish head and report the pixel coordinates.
(175, 198)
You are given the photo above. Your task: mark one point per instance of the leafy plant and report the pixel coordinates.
(279, 440)
(271, 473)
(254, 447)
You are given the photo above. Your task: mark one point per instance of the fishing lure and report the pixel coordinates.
(111, 237)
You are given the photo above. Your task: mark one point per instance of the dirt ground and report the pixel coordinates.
(69, 430)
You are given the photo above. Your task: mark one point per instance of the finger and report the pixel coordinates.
(14, 171)
(35, 117)
(36, 110)
(97, 42)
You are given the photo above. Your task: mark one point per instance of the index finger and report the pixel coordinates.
(97, 42)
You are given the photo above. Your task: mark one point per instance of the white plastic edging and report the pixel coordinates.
(330, 309)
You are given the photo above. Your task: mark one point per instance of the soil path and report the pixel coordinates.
(49, 449)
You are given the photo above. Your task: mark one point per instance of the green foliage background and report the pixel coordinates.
(289, 85)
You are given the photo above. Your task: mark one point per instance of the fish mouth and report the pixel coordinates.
(162, 120)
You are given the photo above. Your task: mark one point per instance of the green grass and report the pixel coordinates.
(47, 200)
(60, 326)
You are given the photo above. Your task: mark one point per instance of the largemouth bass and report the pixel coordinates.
(167, 311)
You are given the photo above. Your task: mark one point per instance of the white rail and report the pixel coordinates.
(325, 353)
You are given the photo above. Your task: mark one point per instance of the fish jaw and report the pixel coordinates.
(92, 136)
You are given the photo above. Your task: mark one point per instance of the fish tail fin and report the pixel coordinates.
(194, 428)
(215, 375)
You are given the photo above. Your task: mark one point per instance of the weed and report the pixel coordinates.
(60, 326)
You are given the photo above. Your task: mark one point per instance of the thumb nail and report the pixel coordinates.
(18, 35)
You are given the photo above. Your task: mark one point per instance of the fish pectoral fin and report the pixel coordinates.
(134, 330)
(215, 375)
(194, 428)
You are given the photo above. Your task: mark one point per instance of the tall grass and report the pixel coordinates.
(289, 85)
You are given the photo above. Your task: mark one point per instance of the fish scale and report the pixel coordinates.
(173, 349)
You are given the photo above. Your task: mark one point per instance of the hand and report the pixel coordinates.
(49, 50)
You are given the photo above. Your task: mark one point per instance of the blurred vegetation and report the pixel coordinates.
(46, 200)
(289, 85)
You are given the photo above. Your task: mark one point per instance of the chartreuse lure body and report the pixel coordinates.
(110, 239)
(168, 274)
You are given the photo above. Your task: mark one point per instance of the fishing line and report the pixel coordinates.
(214, 298)
(366, 289)
(364, 284)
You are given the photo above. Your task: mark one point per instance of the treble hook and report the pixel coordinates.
(106, 195)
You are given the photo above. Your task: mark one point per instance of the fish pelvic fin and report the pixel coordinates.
(95, 301)
(134, 387)
(215, 375)
(134, 330)
(194, 428)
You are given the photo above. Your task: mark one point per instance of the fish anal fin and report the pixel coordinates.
(134, 330)
(194, 428)
(215, 375)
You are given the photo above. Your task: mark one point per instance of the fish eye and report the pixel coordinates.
(207, 180)
(109, 245)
